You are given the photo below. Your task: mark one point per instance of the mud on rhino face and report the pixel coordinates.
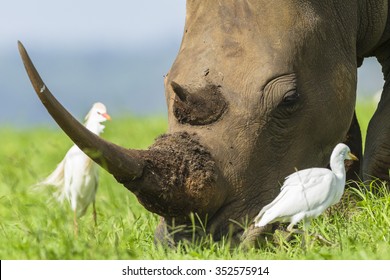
(249, 99)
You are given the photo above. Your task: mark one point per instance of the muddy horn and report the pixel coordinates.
(123, 163)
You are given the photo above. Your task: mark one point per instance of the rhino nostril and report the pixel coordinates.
(180, 92)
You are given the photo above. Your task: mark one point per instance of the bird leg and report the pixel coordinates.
(304, 232)
(292, 230)
(317, 236)
(305, 240)
(94, 213)
(322, 239)
(75, 224)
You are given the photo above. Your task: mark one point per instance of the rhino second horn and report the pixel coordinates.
(198, 105)
(124, 164)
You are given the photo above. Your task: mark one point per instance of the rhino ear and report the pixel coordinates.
(123, 163)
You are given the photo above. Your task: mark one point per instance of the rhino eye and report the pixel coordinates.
(290, 98)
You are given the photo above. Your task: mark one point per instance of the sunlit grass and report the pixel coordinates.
(34, 226)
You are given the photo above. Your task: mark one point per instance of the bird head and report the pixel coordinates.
(98, 113)
(95, 117)
(351, 156)
(344, 151)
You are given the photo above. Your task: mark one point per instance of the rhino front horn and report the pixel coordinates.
(124, 164)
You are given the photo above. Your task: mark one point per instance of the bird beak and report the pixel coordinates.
(107, 116)
(352, 157)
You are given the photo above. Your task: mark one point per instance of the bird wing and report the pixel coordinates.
(292, 179)
(56, 178)
(302, 191)
(308, 176)
(91, 182)
(81, 179)
(314, 184)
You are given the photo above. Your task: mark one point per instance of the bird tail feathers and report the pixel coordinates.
(258, 219)
(55, 179)
(263, 218)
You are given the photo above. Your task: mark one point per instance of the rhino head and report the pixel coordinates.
(258, 88)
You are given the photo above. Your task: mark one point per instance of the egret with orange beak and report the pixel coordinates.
(76, 176)
(307, 193)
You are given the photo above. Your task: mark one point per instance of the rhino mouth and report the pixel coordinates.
(179, 177)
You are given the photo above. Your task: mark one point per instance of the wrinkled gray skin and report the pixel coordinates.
(258, 89)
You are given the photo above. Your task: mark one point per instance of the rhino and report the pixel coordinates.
(258, 89)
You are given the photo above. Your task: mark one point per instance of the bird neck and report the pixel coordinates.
(337, 166)
(94, 126)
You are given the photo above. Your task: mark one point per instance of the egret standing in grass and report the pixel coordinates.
(76, 176)
(307, 193)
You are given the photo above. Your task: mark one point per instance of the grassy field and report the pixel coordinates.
(34, 226)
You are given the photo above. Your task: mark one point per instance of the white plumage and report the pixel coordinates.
(307, 193)
(76, 176)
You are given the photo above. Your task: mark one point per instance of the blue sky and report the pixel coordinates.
(87, 23)
(114, 51)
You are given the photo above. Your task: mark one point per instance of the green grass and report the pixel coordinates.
(34, 226)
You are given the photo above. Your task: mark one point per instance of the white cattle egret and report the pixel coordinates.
(307, 193)
(76, 176)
